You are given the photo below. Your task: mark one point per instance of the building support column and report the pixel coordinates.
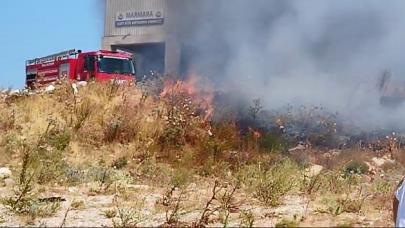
(172, 56)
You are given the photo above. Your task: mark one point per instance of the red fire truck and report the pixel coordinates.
(81, 66)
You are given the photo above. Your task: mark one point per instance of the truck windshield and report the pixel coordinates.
(116, 66)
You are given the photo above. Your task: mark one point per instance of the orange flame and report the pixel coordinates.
(256, 134)
(201, 95)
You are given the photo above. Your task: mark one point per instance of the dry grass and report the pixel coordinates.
(109, 137)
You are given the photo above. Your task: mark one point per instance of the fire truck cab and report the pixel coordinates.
(81, 66)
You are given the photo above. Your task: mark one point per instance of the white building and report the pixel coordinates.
(147, 29)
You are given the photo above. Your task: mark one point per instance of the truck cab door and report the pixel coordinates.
(89, 67)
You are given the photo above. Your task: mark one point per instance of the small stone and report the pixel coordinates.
(72, 189)
(138, 187)
(378, 161)
(50, 88)
(314, 170)
(192, 186)
(5, 173)
(9, 182)
(82, 83)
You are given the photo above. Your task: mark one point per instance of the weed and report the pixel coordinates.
(45, 156)
(222, 195)
(58, 138)
(43, 209)
(65, 217)
(247, 218)
(382, 187)
(355, 167)
(181, 177)
(7, 119)
(255, 109)
(73, 176)
(126, 217)
(124, 123)
(311, 185)
(345, 204)
(23, 195)
(110, 213)
(78, 204)
(120, 163)
(171, 201)
(336, 182)
(227, 204)
(272, 143)
(31, 206)
(208, 210)
(382, 197)
(82, 113)
(287, 223)
(112, 89)
(214, 148)
(181, 117)
(346, 224)
(270, 185)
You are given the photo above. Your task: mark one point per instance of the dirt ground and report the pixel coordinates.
(298, 208)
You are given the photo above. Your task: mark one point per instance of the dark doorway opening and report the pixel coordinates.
(148, 57)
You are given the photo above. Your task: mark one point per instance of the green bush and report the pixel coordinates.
(287, 223)
(355, 167)
(269, 185)
(120, 163)
(59, 139)
(181, 177)
(272, 143)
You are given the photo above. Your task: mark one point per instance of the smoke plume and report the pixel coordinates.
(313, 52)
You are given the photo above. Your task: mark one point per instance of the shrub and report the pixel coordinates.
(272, 143)
(247, 218)
(311, 185)
(78, 204)
(45, 156)
(270, 185)
(337, 206)
(287, 223)
(58, 139)
(110, 213)
(24, 200)
(213, 147)
(125, 216)
(7, 118)
(181, 177)
(382, 197)
(336, 182)
(120, 162)
(82, 113)
(121, 128)
(355, 167)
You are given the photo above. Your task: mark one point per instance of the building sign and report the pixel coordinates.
(139, 18)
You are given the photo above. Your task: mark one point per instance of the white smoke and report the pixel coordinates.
(313, 52)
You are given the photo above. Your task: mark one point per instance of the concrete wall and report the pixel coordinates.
(159, 33)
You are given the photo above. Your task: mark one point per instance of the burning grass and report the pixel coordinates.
(108, 137)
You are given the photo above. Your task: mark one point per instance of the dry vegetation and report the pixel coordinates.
(128, 156)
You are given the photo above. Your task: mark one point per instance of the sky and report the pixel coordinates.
(30, 29)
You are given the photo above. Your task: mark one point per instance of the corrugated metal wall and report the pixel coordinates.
(114, 6)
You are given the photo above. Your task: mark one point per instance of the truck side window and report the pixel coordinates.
(89, 63)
